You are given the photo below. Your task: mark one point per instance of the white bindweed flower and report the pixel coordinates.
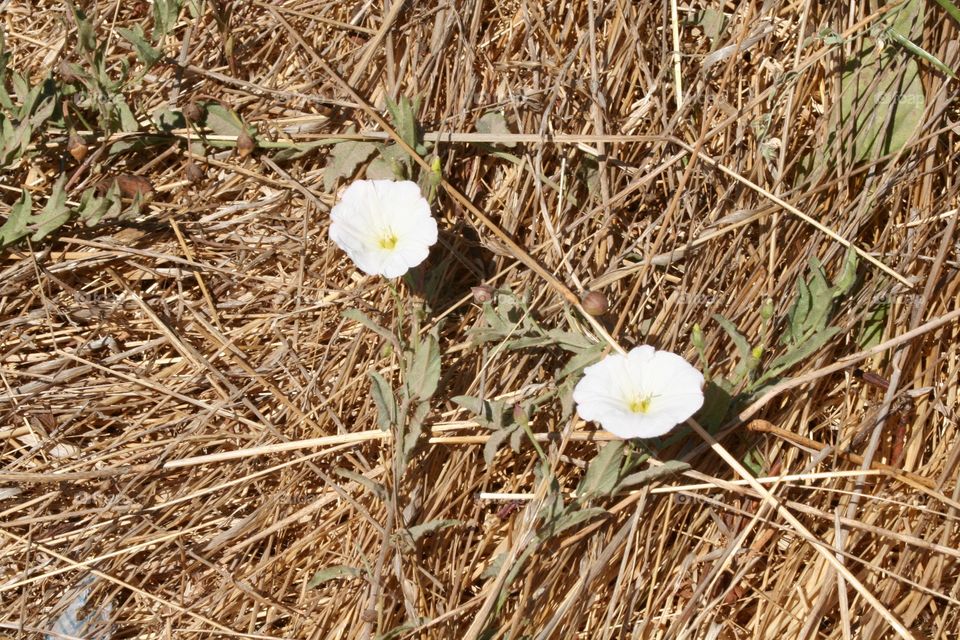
(642, 394)
(384, 226)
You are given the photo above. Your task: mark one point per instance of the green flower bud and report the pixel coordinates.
(766, 311)
(696, 337)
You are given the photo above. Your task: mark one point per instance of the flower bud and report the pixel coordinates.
(696, 337)
(482, 293)
(245, 144)
(766, 311)
(595, 303)
(519, 415)
(77, 147)
(192, 171)
(193, 112)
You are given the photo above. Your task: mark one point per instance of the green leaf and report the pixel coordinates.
(424, 372)
(15, 141)
(907, 18)
(380, 169)
(224, 122)
(713, 23)
(753, 460)
(798, 353)
(128, 121)
(334, 572)
(414, 431)
(848, 277)
(920, 52)
(167, 119)
(385, 401)
(86, 36)
(882, 100)
(55, 213)
(577, 363)
(748, 362)
(798, 313)
(344, 159)
(516, 436)
(645, 477)
(717, 401)
(16, 225)
(42, 112)
(165, 14)
(830, 37)
(872, 332)
(603, 472)
(570, 519)
(93, 208)
(364, 319)
(404, 116)
(575, 342)
(295, 150)
(493, 444)
(950, 8)
(25, 94)
(488, 414)
(418, 531)
(145, 50)
(495, 123)
(372, 486)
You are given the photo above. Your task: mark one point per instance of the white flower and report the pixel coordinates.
(642, 394)
(384, 226)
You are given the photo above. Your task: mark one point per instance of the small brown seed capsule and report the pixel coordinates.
(77, 147)
(192, 171)
(193, 112)
(245, 144)
(595, 303)
(482, 293)
(128, 184)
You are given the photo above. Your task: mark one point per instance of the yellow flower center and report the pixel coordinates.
(388, 241)
(640, 405)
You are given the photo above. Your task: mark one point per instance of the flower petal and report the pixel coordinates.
(666, 384)
(385, 227)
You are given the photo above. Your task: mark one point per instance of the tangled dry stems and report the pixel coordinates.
(222, 305)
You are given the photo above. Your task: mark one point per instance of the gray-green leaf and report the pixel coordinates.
(333, 573)
(495, 123)
(603, 472)
(883, 100)
(165, 13)
(145, 50)
(344, 159)
(418, 531)
(16, 225)
(424, 372)
(385, 401)
(645, 477)
(55, 213)
(223, 121)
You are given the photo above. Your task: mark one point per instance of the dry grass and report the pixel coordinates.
(223, 303)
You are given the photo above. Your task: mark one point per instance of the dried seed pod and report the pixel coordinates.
(193, 112)
(595, 303)
(192, 171)
(482, 293)
(245, 144)
(77, 147)
(129, 185)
